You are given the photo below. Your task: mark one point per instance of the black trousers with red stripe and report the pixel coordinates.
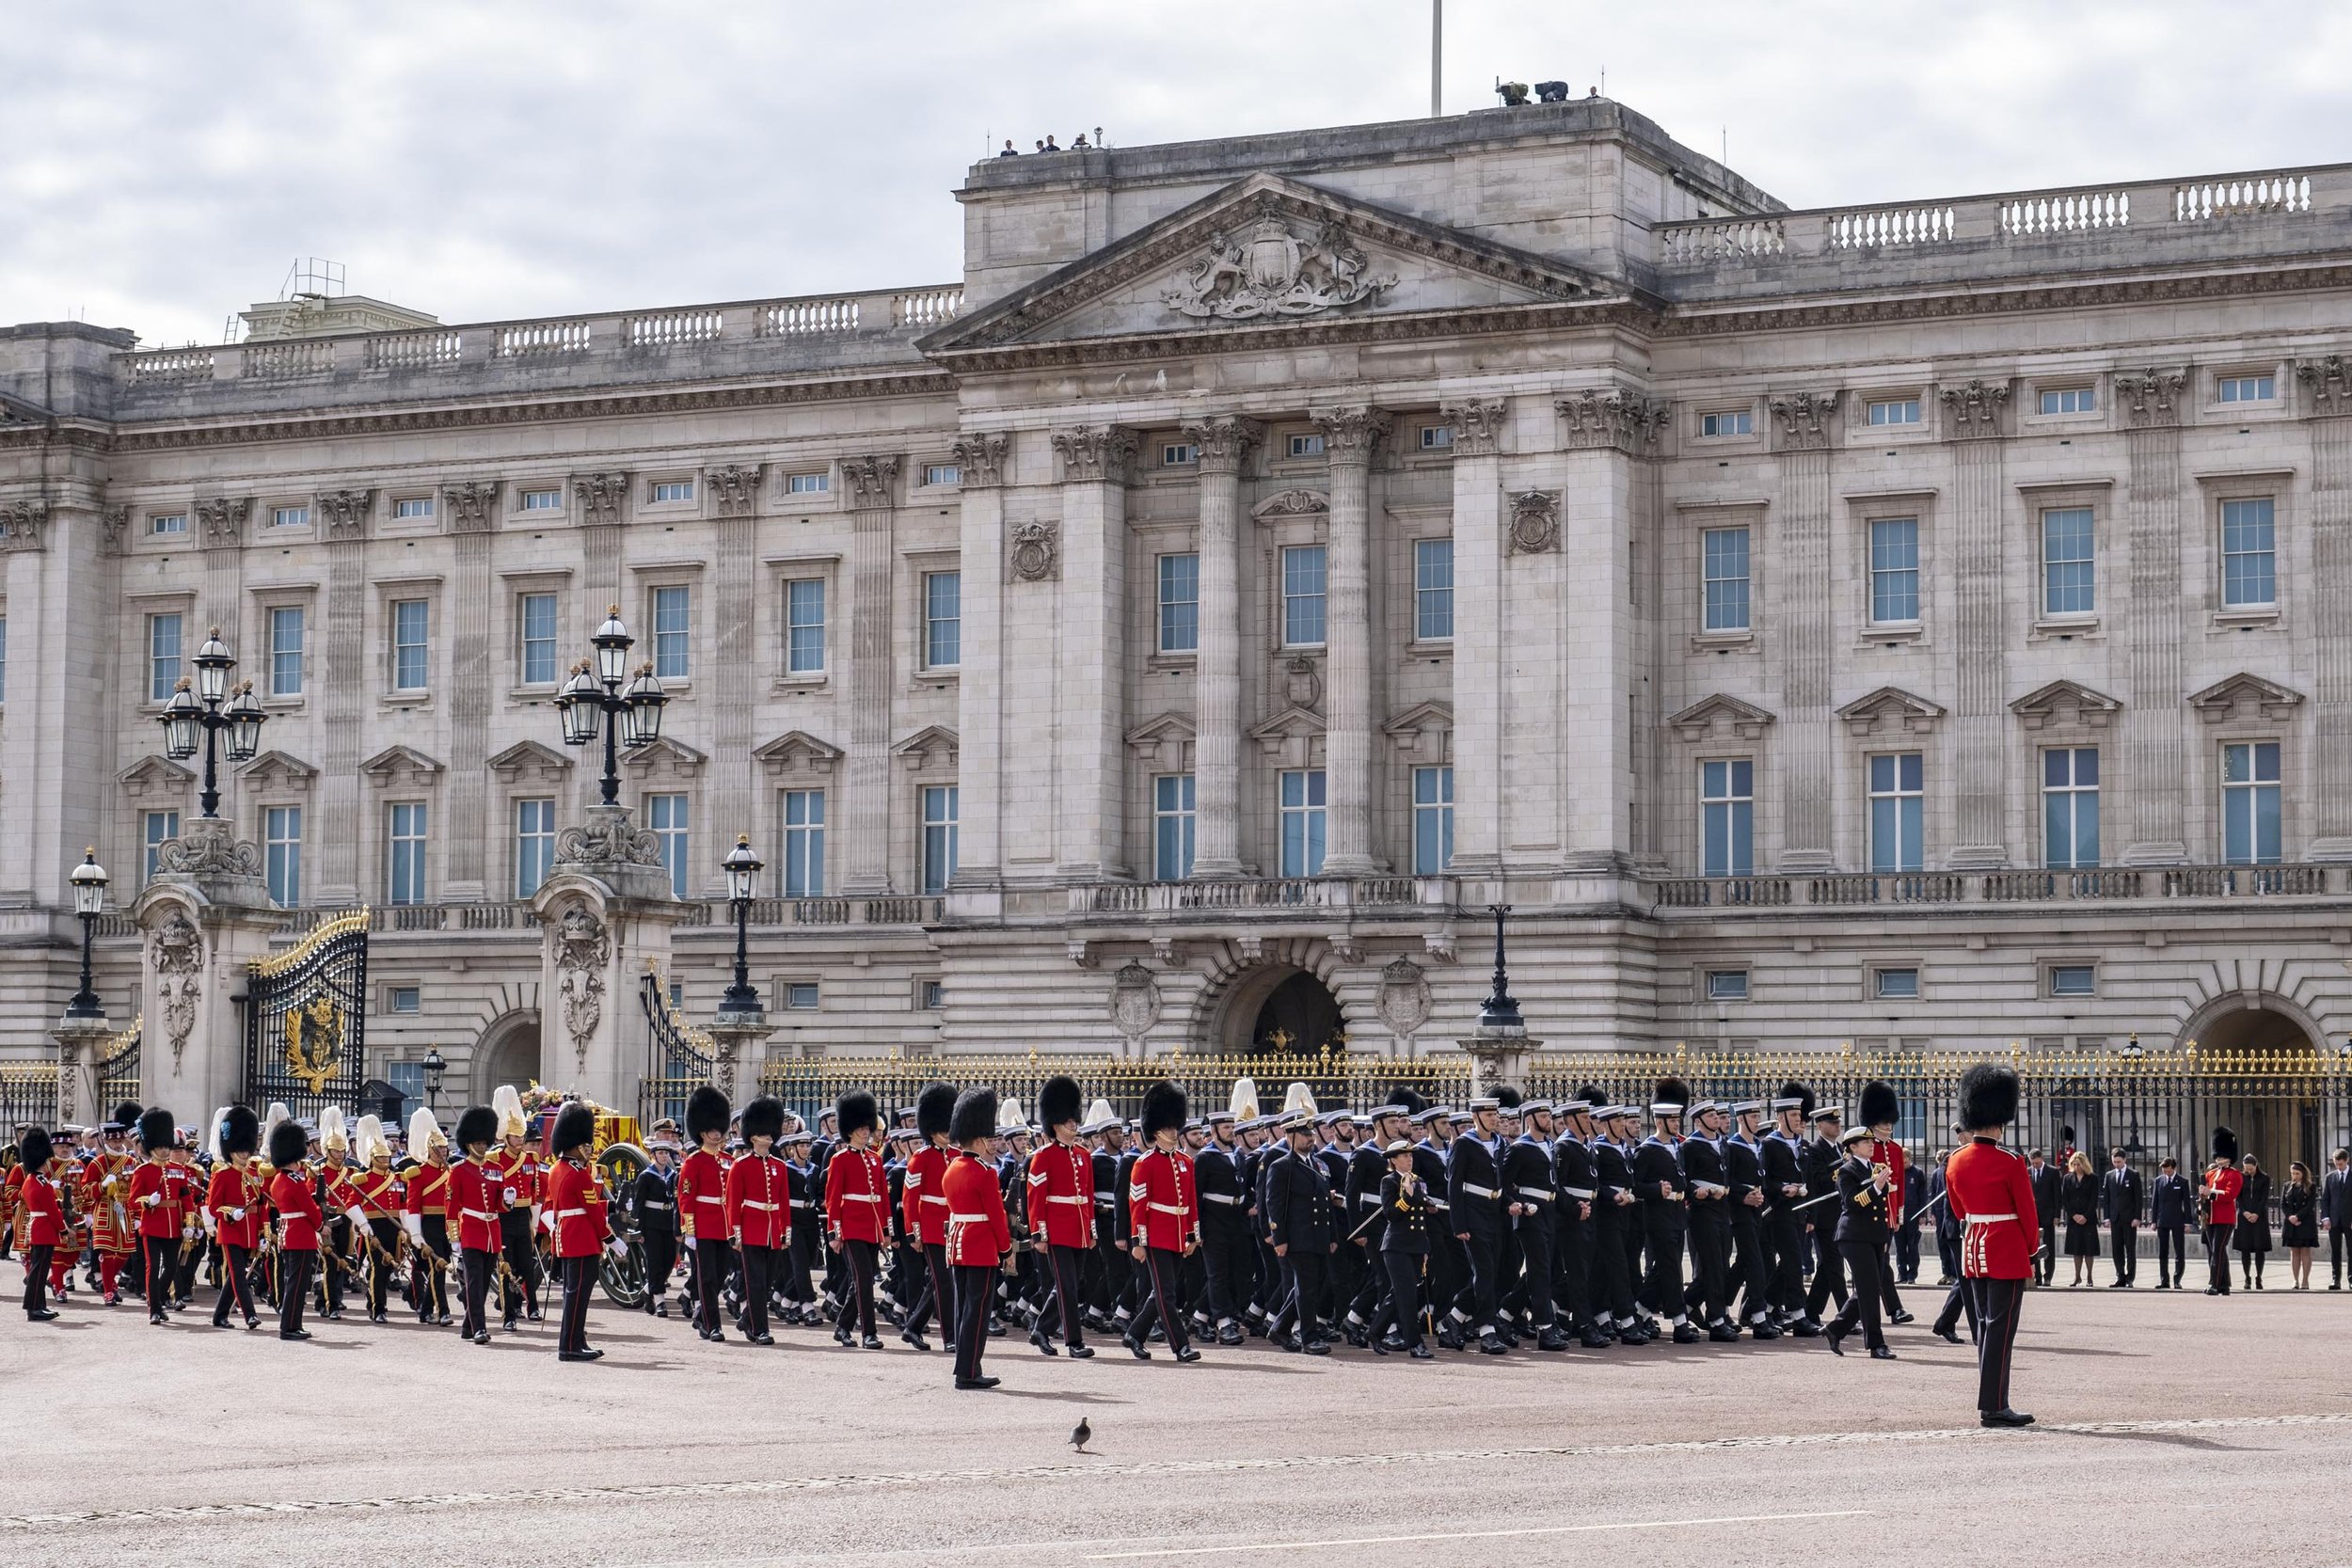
(973, 1287)
(1995, 1304)
(1066, 1261)
(156, 1253)
(1165, 1273)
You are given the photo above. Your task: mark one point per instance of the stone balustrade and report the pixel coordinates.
(2102, 884)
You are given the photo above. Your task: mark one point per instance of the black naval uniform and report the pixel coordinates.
(1751, 1272)
(1226, 1246)
(1829, 1273)
(1298, 1220)
(654, 1202)
(1530, 1182)
(1573, 1231)
(1784, 1166)
(1709, 1224)
(1862, 1236)
(1110, 1272)
(1446, 1271)
(1362, 1202)
(1616, 1231)
(1346, 1272)
(1665, 1195)
(1400, 1228)
(1473, 1193)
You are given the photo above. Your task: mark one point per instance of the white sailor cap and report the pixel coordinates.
(1665, 1108)
(1746, 1107)
(1829, 1112)
(1477, 1106)
(1531, 1106)
(1853, 1136)
(1573, 1107)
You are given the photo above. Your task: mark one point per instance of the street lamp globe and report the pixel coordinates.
(612, 642)
(245, 718)
(743, 869)
(89, 885)
(582, 707)
(213, 663)
(645, 703)
(183, 726)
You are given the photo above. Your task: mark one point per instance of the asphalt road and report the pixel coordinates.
(2175, 1429)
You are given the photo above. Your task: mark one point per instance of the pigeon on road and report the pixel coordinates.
(1080, 1434)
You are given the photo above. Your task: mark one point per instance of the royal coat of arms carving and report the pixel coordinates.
(1269, 271)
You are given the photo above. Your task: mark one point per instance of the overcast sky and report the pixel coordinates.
(160, 163)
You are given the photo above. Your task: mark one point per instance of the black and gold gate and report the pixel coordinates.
(305, 1020)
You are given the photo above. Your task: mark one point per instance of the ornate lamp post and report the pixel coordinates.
(1499, 1049)
(1500, 1011)
(742, 869)
(434, 1068)
(206, 711)
(602, 697)
(89, 900)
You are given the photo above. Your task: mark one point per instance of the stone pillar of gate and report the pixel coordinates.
(742, 1040)
(1499, 1058)
(204, 918)
(81, 1047)
(605, 917)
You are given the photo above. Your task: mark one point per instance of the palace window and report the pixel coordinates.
(673, 629)
(2070, 400)
(674, 490)
(666, 815)
(943, 620)
(1433, 820)
(411, 622)
(404, 858)
(803, 842)
(1898, 811)
(1180, 604)
(281, 854)
(1726, 984)
(156, 827)
(1728, 422)
(285, 651)
(2069, 561)
(939, 837)
(1895, 411)
(2070, 807)
(2074, 980)
(1728, 817)
(2246, 389)
(289, 517)
(543, 500)
(1172, 803)
(807, 485)
(1436, 438)
(1895, 985)
(163, 656)
(168, 522)
(942, 473)
(1895, 571)
(1306, 446)
(1178, 454)
(535, 615)
(804, 626)
(1302, 812)
(535, 844)
(1724, 578)
(412, 506)
(1303, 582)
(2250, 558)
(2250, 802)
(801, 996)
(1433, 590)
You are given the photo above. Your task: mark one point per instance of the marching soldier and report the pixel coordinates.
(925, 1219)
(1061, 1210)
(1822, 1158)
(184, 1196)
(427, 1218)
(381, 1197)
(758, 1212)
(1225, 1248)
(1989, 1191)
(1862, 1197)
(478, 1191)
(979, 1233)
(1360, 1194)
(40, 1217)
(1706, 1177)
(701, 1202)
(1401, 1220)
(1580, 1190)
(1298, 1200)
(233, 1212)
(518, 1166)
(1164, 1207)
(104, 1195)
(1786, 1187)
(1743, 1172)
(1531, 1182)
(856, 1198)
(1665, 1197)
(1881, 1109)
(299, 1219)
(1474, 1194)
(653, 1200)
(149, 1197)
(807, 1231)
(575, 1213)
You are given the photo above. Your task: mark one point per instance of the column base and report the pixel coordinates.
(1217, 871)
(1806, 860)
(1980, 857)
(1352, 865)
(2159, 852)
(2333, 850)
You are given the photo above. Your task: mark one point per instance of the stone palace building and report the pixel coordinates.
(1919, 623)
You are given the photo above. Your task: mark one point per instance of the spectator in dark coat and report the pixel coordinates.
(1948, 1230)
(2299, 1223)
(2078, 1206)
(2335, 1212)
(2252, 1238)
(1907, 1232)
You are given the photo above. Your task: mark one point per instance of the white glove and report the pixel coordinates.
(548, 1219)
(235, 1213)
(212, 1227)
(510, 1197)
(358, 1220)
(109, 1182)
(414, 1224)
(150, 1200)
(617, 1247)
(187, 1233)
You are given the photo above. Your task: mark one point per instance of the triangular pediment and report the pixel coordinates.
(665, 755)
(932, 743)
(2064, 703)
(1167, 726)
(1721, 713)
(795, 751)
(401, 763)
(272, 770)
(1289, 723)
(1890, 710)
(155, 775)
(2245, 694)
(1268, 252)
(530, 759)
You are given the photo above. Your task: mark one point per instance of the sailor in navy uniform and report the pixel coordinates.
(1616, 1226)
(1572, 1165)
(1225, 1245)
(1366, 1168)
(1665, 1198)
(1708, 1182)
(1786, 1186)
(1533, 1185)
(1820, 1174)
(1474, 1197)
(1743, 1172)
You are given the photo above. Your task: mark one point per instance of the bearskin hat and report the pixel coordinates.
(1801, 1092)
(974, 1116)
(1509, 1098)
(934, 1110)
(575, 1127)
(1879, 1104)
(706, 1111)
(1593, 1095)
(33, 1150)
(1056, 1101)
(126, 1115)
(1988, 1096)
(1403, 1094)
(288, 1144)
(1671, 1091)
(240, 1131)
(156, 1131)
(2225, 1145)
(854, 1110)
(764, 1117)
(476, 1124)
(1164, 1108)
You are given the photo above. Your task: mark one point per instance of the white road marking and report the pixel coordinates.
(875, 1481)
(1480, 1535)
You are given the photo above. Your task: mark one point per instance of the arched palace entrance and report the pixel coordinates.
(2274, 1106)
(509, 1053)
(1279, 1011)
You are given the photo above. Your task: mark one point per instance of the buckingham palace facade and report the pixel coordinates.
(1925, 623)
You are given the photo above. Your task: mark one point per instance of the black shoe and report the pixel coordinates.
(1836, 1337)
(1188, 1354)
(2005, 1418)
(908, 1335)
(1882, 1353)
(1763, 1331)
(1805, 1328)
(1903, 1318)
(44, 1315)
(1380, 1347)
(1044, 1346)
(1420, 1353)
(1552, 1340)
(293, 1334)
(1686, 1334)
(1451, 1339)
(763, 1339)
(977, 1382)
(1724, 1334)
(1489, 1345)
(1594, 1339)
(1949, 1336)
(1081, 1353)
(870, 1342)
(443, 1319)
(1135, 1349)
(1318, 1347)
(573, 1355)
(1229, 1336)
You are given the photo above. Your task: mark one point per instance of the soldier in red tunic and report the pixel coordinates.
(856, 1199)
(518, 1164)
(760, 1211)
(40, 1218)
(1991, 1196)
(925, 1216)
(1164, 1208)
(2221, 1187)
(576, 1212)
(1061, 1210)
(233, 1213)
(479, 1194)
(979, 1234)
(299, 1219)
(702, 1204)
(104, 1197)
(427, 1217)
(149, 1199)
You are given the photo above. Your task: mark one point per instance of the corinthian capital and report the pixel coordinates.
(873, 480)
(602, 497)
(1096, 454)
(2152, 397)
(1350, 433)
(1597, 419)
(980, 458)
(1477, 426)
(224, 520)
(471, 504)
(735, 487)
(1804, 420)
(1224, 440)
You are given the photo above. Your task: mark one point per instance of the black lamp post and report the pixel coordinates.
(434, 1068)
(596, 700)
(743, 869)
(1500, 1011)
(89, 898)
(206, 711)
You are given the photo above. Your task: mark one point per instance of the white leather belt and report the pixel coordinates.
(1708, 1187)
(1440, 1205)
(1580, 1193)
(570, 1213)
(1476, 1191)
(1064, 1198)
(1988, 1219)
(475, 1214)
(1370, 1200)
(954, 1218)
(657, 1206)
(1102, 1200)
(766, 1208)
(1542, 1194)
(861, 1197)
(934, 1198)
(1167, 1207)
(800, 1203)
(1219, 1197)
(715, 1202)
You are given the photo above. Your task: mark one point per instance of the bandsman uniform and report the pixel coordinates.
(233, 1209)
(381, 1197)
(429, 1200)
(148, 1192)
(519, 1171)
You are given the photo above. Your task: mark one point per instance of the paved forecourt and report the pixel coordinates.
(2166, 1419)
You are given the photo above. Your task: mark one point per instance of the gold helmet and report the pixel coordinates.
(1244, 1105)
(1299, 1097)
(332, 1139)
(424, 1132)
(368, 1141)
(508, 1103)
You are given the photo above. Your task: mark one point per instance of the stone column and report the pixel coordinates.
(470, 513)
(983, 459)
(2154, 720)
(1803, 425)
(1091, 557)
(345, 686)
(873, 483)
(1224, 441)
(1980, 719)
(1480, 772)
(55, 577)
(605, 917)
(81, 1047)
(2328, 391)
(1349, 436)
(603, 499)
(742, 1041)
(737, 668)
(203, 917)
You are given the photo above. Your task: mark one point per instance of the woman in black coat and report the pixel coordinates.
(2252, 1236)
(1403, 1244)
(2078, 1204)
(2299, 1223)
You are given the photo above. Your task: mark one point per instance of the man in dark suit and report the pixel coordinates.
(1914, 1196)
(1298, 1228)
(2122, 1198)
(2172, 1206)
(2044, 1176)
(2335, 1212)
(1948, 1226)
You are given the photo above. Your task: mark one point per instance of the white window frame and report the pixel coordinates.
(539, 499)
(1433, 819)
(804, 658)
(1303, 445)
(670, 817)
(800, 870)
(281, 854)
(1891, 575)
(1433, 600)
(406, 1000)
(1179, 454)
(1725, 985)
(408, 508)
(1293, 601)
(1711, 622)
(2087, 562)
(1908, 806)
(534, 842)
(942, 476)
(408, 831)
(279, 685)
(940, 808)
(670, 492)
(1723, 424)
(1435, 438)
(550, 644)
(1722, 800)
(167, 524)
(2070, 796)
(1175, 820)
(795, 990)
(670, 647)
(289, 517)
(2053, 989)
(1302, 825)
(1891, 413)
(2248, 795)
(400, 645)
(159, 683)
(1180, 633)
(2247, 386)
(2066, 402)
(1886, 986)
(809, 482)
(155, 828)
(2268, 554)
(942, 633)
